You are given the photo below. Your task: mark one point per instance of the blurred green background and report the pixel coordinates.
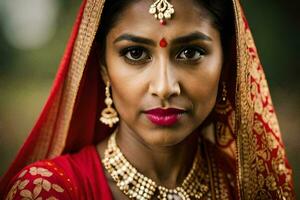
(33, 35)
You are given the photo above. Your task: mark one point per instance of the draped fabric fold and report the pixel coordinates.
(249, 128)
(264, 172)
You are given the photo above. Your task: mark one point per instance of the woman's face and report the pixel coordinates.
(163, 92)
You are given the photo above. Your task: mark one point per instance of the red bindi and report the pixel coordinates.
(163, 43)
(162, 22)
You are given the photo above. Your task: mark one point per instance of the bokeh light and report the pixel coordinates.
(29, 24)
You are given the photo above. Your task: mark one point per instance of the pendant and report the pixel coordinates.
(162, 9)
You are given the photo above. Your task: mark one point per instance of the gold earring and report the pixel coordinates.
(109, 115)
(223, 105)
(224, 92)
(224, 118)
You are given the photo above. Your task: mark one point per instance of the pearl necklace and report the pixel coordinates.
(139, 187)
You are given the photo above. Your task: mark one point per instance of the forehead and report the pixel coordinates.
(188, 17)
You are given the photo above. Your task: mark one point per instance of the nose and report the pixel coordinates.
(164, 83)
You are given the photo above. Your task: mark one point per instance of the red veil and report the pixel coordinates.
(247, 125)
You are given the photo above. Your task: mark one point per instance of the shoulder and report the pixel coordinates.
(80, 165)
(41, 180)
(65, 177)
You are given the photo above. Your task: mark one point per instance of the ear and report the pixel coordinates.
(104, 73)
(101, 63)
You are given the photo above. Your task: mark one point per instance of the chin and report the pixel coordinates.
(164, 138)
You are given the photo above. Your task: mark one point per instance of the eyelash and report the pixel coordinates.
(127, 50)
(201, 51)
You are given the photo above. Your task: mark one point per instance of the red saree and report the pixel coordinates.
(246, 128)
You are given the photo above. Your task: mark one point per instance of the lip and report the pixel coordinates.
(164, 117)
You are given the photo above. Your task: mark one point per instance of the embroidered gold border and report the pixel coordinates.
(244, 112)
(87, 32)
(238, 142)
(54, 131)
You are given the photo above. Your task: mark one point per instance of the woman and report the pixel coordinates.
(187, 109)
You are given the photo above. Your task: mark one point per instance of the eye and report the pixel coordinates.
(135, 54)
(191, 53)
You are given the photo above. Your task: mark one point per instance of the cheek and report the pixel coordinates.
(203, 91)
(127, 88)
(202, 87)
(124, 97)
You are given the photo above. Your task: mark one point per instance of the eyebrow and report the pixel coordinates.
(134, 38)
(191, 37)
(183, 39)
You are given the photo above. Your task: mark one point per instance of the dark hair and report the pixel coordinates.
(111, 13)
(221, 12)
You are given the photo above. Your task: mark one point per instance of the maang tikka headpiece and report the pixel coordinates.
(162, 9)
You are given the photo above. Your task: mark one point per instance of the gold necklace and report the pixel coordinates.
(139, 187)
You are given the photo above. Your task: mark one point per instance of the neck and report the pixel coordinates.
(167, 166)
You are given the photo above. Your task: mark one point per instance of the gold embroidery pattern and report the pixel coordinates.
(58, 118)
(41, 183)
(87, 32)
(263, 171)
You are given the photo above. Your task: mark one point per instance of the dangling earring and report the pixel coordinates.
(223, 104)
(225, 119)
(224, 92)
(109, 115)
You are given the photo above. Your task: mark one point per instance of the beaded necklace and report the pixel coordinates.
(139, 187)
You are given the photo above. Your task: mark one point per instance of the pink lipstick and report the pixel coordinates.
(164, 117)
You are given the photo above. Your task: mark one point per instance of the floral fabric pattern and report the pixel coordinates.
(264, 170)
(41, 180)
